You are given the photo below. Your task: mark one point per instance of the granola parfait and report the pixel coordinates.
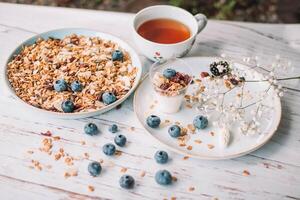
(170, 81)
(74, 74)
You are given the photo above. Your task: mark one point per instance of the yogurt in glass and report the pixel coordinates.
(171, 88)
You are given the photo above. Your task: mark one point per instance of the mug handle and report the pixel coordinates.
(201, 20)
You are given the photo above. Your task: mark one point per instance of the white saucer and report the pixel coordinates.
(144, 105)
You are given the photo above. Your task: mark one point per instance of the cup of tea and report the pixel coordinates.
(163, 32)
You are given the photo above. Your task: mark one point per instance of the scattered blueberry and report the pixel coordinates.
(120, 140)
(108, 98)
(153, 121)
(91, 129)
(67, 106)
(200, 122)
(161, 157)
(76, 86)
(163, 177)
(126, 181)
(113, 128)
(117, 55)
(60, 85)
(169, 73)
(94, 168)
(174, 131)
(109, 149)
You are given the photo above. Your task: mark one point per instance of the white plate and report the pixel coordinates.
(239, 145)
(61, 33)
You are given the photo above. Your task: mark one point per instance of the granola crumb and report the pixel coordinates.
(173, 198)
(189, 147)
(186, 157)
(191, 189)
(91, 188)
(174, 178)
(86, 155)
(82, 142)
(198, 141)
(101, 161)
(74, 172)
(132, 128)
(143, 173)
(177, 123)
(57, 156)
(191, 128)
(118, 153)
(189, 106)
(212, 133)
(123, 169)
(56, 138)
(210, 146)
(246, 173)
(67, 174)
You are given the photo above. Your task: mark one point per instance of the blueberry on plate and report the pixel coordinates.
(113, 128)
(108, 98)
(94, 168)
(117, 55)
(200, 122)
(169, 73)
(76, 86)
(120, 140)
(153, 121)
(163, 177)
(161, 157)
(126, 181)
(91, 129)
(109, 149)
(67, 106)
(174, 131)
(60, 85)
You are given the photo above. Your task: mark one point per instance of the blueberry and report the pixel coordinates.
(76, 86)
(120, 140)
(113, 128)
(94, 169)
(174, 131)
(117, 55)
(108, 98)
(169, 73)
(60, 85)
(200, 122)
(91, 129)
(161, 157)
(163, 177)
(67, 106)
(126, 181)
(109, 149)
(153, 121)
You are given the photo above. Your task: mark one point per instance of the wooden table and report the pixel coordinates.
(274, 170)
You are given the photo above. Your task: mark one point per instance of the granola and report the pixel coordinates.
(34, 70)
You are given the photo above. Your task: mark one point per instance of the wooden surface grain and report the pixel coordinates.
(272, 172)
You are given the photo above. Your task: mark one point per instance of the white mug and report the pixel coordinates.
(157, 51)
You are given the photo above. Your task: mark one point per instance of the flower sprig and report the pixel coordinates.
(223, 92)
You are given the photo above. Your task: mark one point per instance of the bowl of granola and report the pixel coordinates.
(72, 73)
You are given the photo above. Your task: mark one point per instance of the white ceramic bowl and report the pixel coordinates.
(61, 33)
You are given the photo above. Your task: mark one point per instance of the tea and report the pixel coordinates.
(164, 31)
